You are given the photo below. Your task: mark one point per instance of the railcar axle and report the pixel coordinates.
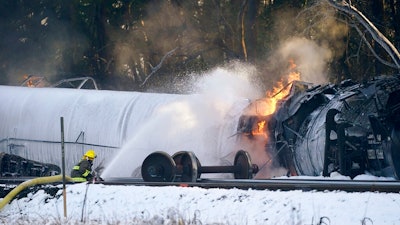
(184, 166)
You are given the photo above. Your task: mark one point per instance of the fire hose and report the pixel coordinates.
(29, 183)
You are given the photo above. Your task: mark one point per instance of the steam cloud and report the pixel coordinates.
(311, 59)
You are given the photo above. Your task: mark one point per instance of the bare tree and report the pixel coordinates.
(352, 11)
(156, 68)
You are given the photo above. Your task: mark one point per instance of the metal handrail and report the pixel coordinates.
(84, 80)
(55, 142)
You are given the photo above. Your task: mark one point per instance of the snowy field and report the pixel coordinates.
(191, 205)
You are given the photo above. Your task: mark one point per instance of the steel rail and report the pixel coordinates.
(274, 184)
(387, 186)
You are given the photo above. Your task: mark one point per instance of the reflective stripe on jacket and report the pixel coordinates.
(78, 179)
(82, 171)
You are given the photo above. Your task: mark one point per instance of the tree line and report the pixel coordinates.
(145, 44)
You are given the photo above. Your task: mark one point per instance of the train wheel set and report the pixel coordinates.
(184, 166)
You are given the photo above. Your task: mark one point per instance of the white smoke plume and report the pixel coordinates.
(311, 59)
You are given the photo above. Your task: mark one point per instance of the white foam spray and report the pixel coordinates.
(202, 122)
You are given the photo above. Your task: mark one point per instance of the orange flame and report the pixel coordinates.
(260, 128)
(280, 91)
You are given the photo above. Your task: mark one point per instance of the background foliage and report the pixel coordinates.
(121, 42)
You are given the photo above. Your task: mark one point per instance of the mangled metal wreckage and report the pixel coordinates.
(351, 128)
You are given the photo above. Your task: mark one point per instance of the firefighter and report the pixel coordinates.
(82, 171)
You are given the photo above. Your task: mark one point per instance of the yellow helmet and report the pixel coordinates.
(90, 154)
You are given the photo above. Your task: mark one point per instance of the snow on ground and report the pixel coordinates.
(191, 205)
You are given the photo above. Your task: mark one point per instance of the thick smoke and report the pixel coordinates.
(312, 39)
(311, 59)
(135, 48)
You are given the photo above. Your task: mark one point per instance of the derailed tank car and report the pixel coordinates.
(351, 128)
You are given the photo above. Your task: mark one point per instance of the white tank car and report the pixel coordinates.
(122, 127)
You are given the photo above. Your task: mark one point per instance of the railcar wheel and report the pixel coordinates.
(187, 166)
(243, 161)
(158, 167)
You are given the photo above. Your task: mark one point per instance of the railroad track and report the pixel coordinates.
(274, 184)
(183, 169)
(265, 184)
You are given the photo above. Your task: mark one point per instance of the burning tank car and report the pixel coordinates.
(351, 128)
